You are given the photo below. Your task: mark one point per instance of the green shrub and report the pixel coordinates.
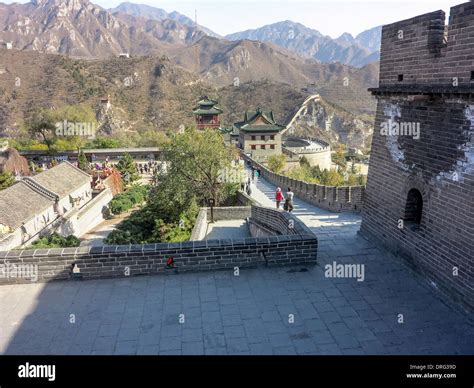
(123, 202)
(120, 204)
(56, 241)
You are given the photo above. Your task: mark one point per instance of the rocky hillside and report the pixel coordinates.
(150, 93)
(82, 29)
(151, 13)
(223, 63)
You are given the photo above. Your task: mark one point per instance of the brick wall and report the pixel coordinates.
(223, 213)
(277, 222)
(200, 226)
(418, 49)
(337, 199)
(115, 261)
(220, 213)
(439, 165)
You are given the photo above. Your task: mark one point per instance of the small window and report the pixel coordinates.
(472, 75)
(253, 146)
(262, 146)
(272, 137)
(272, 146)
(253, 137)
(414, 207)
(262, 138)
(400, 77)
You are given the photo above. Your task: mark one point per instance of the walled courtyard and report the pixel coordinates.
(288, 310)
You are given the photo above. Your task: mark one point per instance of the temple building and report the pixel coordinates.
(207, 114)
(259, 134)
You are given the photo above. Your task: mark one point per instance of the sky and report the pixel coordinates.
(330, 17)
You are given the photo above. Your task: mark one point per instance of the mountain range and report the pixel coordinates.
(66, 52)
(84, 30)
(346, 49)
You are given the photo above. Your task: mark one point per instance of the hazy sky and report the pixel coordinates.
(329, 17)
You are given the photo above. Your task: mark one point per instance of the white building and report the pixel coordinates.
(34, 204)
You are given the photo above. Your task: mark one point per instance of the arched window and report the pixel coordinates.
(414, 207)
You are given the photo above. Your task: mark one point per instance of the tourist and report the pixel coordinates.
(288, 206)
(278, 197)
(249, 190)
(253, 173)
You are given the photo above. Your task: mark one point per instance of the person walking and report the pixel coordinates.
(288, 206)
(278, 197)
(249, 190)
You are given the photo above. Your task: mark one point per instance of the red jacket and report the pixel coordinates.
(279, 196)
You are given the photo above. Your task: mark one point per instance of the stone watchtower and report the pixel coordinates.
(420, 190)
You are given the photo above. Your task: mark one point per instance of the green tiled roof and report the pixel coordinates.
(232, 131)
(207, 106)
(211, 111)
(251, 116)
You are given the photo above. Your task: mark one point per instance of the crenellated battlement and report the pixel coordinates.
(423, 51)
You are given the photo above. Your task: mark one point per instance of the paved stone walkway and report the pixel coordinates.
(227, 229)
(262, 311)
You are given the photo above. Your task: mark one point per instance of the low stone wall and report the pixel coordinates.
(245, 200)
(220, 214)
(272, 222)
(338, 199)
(148, 259)
(229, 213)
(297, 248)
(200, 226)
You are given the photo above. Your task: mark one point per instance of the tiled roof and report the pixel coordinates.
(266, 123)
(207, 106)
(62, 179)
(32, 195)
(20, 203)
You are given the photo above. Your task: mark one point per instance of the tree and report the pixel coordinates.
(304, 162)
(196, 160)
(42, 124)
(82, 161)
(104, 142)
(6, 180)
(276, 163)
(332, 178)
(128, 169)
(152, 138)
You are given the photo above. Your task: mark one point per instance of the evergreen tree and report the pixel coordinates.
(128, 169)
(82, 161)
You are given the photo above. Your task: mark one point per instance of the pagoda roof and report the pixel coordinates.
(207, 102)
(266, 122)
(214, 110)
(207, 106)
(230, 130)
